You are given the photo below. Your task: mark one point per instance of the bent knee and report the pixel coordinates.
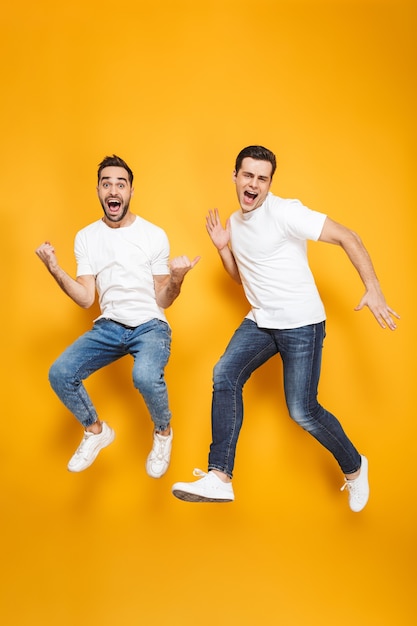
(147, 380)
(56, 373)
(59, 372)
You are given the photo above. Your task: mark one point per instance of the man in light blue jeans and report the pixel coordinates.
(263, 247)
(125, 259)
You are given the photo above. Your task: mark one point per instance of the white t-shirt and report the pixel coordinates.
(270, 248)
(123, 262)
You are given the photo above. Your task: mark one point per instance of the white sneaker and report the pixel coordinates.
(210, 488)
(157, 462)
(358, 488)
(89, 448)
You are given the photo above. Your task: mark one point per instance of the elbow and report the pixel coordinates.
(349, 240)
(355, 236)
(86, 303)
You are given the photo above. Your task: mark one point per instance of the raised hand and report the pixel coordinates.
(179, 266)
(46, 253)
(220, 236)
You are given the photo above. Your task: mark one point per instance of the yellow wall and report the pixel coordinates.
(177, 89)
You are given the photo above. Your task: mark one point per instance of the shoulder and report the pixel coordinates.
(276, 202)
(289, 207)
(89, 230)
(143, 225)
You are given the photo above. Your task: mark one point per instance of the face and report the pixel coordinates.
(252, 181)
(114, 192)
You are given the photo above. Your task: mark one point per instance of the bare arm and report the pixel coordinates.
(82, 290)
(168, 286)
(351, 243)
(220, 237)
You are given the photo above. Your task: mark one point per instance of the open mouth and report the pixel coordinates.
(113, 205)
(250, 196)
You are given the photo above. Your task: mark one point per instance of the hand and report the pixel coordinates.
(46, 253)
(180, 266)
(220, 236)
(375, 301)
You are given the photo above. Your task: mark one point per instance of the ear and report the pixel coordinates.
(234, 176)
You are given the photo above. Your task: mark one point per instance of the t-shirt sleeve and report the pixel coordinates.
(84, 266)
(302, 222)
(160, 258)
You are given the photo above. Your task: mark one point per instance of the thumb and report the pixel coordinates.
(195, 261)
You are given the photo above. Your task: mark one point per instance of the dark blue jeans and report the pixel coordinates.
(300, 350)
(106, 342)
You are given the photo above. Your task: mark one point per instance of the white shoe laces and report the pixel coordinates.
(160, 442)
(83, 443)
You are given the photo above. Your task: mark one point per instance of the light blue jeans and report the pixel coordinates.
(300, 350)
(106, 342)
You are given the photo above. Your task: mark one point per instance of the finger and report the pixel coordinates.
(394, 313)
(390, 323)
(210, 221)
(380, 320)
(385, 320)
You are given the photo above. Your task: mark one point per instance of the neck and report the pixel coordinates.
(127, 220)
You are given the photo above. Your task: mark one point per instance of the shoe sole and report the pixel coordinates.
(193, 497)
(156, 475)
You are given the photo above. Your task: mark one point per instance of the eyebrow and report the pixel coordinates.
(262, 176)
(109, 177)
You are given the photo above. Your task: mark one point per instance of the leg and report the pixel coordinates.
(150, 348)
(95, 349)
(92, 351)
(301, 351)
(248, 349)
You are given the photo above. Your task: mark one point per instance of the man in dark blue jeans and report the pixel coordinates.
(263, 247)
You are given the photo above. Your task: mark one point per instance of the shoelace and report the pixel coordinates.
(81, 447)
(198, 473)
(352, 486)
(159, 453)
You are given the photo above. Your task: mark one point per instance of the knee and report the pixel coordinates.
(302, 415)
(219, 373)
(57, 374)
(146, 379)
(225, 376)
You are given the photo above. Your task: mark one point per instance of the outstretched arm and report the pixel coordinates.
(351, 243)
(82, 290)
(168, 286)
(220, 237)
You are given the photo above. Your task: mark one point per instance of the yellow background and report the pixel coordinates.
(177, 89)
